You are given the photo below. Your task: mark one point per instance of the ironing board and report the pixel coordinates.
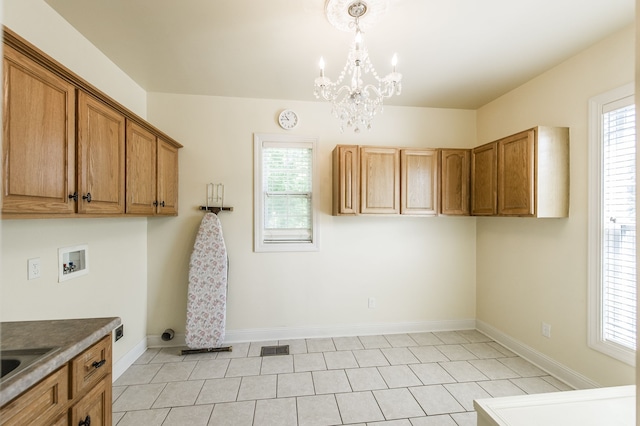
(207, 294)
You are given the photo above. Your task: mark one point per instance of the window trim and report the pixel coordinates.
(595, 237)
(259, 245)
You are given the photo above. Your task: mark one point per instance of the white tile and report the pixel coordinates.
(399, 356)
(295, 384)
(340, 360)
(116, 417)
(138, 374)
(362, 379)
(177, 394)
(347, 343)
(455, 352)
(374, 342)
(277, 364)
(320, 345)
(504, 351)
(498, 388)
(147, 356)
(436, 400)
(397, 404)
(474, 336)
(397, 376)
(138, 397)
(233, 414)
(358, 407)
(523, 367)
(257, 387)
(174, 372)
(465, 393)
(276, 412)
(442, 420)
(116, 391)
(168, 355)
(557, 383)
(144, 417)
(402, 422)
(219, 390)
(425, 339)
(238, 350)
(493, 369)
(239, 367)
(370, 358)
(400, 340)
(483, 350)
(462, 371)
(428, 354)
(255, 348)
(431, 374)
(534, 385)
(450, 337)
(332, 381)
(319, 410)
(195, 415)
(308, 362)
(210, 369)
(465, 419)
(296, 346)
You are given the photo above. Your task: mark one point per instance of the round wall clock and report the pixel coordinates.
(288, 119)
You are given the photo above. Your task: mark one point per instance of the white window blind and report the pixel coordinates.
(619, 223)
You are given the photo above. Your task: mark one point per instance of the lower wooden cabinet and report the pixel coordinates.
(95, 407)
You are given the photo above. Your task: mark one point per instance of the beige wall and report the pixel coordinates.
(530, 271)
(117, 281)
(419, 269)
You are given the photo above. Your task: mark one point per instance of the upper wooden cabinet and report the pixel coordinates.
(531, 173)
(419, 181)
(455, 172)
(484, 163)
(39, 145)
(101, 154)
(67, 149)
(346, 163)
(379, 180)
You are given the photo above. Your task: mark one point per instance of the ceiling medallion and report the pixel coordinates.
(373, 11)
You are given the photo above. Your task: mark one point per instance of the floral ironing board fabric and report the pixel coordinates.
(207, 295)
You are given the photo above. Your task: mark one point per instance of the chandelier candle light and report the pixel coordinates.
(354, 102)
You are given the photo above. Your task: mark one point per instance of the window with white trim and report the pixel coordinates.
(612, 224)
(285, 193)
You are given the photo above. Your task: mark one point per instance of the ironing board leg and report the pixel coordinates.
(205, 350)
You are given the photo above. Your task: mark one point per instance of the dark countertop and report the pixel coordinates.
(69, 337)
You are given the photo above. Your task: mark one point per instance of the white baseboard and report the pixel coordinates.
(286, 333)
(553, 367)
(128, 359)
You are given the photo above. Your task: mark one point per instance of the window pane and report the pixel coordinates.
(619, 226)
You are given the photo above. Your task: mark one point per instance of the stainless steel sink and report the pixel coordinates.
(16, 360)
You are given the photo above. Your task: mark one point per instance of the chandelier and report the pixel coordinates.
(355, 102)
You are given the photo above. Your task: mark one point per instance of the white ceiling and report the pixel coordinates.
(452, 53)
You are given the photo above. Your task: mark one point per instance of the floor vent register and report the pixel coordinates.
(274, 350)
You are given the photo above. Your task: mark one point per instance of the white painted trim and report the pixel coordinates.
(553, 367)
(128, 359)
(286, 333)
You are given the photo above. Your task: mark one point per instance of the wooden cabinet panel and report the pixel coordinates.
(167, 191)
(40, 405)
(484, 180)
(95, 407)
(419, 181)
(101, 156)
(345, 180)
(380, 180)
(38, 153)
(516, 174)
(141, 170)
(455, 165)
(90, 366)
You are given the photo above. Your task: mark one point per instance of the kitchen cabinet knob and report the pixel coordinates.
(85, 422)
(155, 203)
(87, 197)
(162, 204)
(98, 364)
(74, 196)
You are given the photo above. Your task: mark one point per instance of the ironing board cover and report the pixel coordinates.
(207, 296)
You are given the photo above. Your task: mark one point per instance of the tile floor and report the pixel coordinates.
(421, 379)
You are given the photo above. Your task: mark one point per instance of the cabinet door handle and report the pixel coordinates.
(98, 364)
(74, 196)
(87, 197)
(155, 203)
(85, 422)
(162, 204)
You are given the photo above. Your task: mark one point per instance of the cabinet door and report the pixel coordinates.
(101, 154)
(345, 180)
(141, 170)
(483, 180)
(380, 180)
(454, 175)
(516, 174)
(95, 407)
(38, 152)
(419, 181)
(167, 179)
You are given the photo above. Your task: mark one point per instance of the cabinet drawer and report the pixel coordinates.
(95, 407)
(90, 366)
(41, 404)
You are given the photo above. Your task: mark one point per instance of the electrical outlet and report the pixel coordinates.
(546, 330)
(33, 268)
(119, 333)
(372, 302)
